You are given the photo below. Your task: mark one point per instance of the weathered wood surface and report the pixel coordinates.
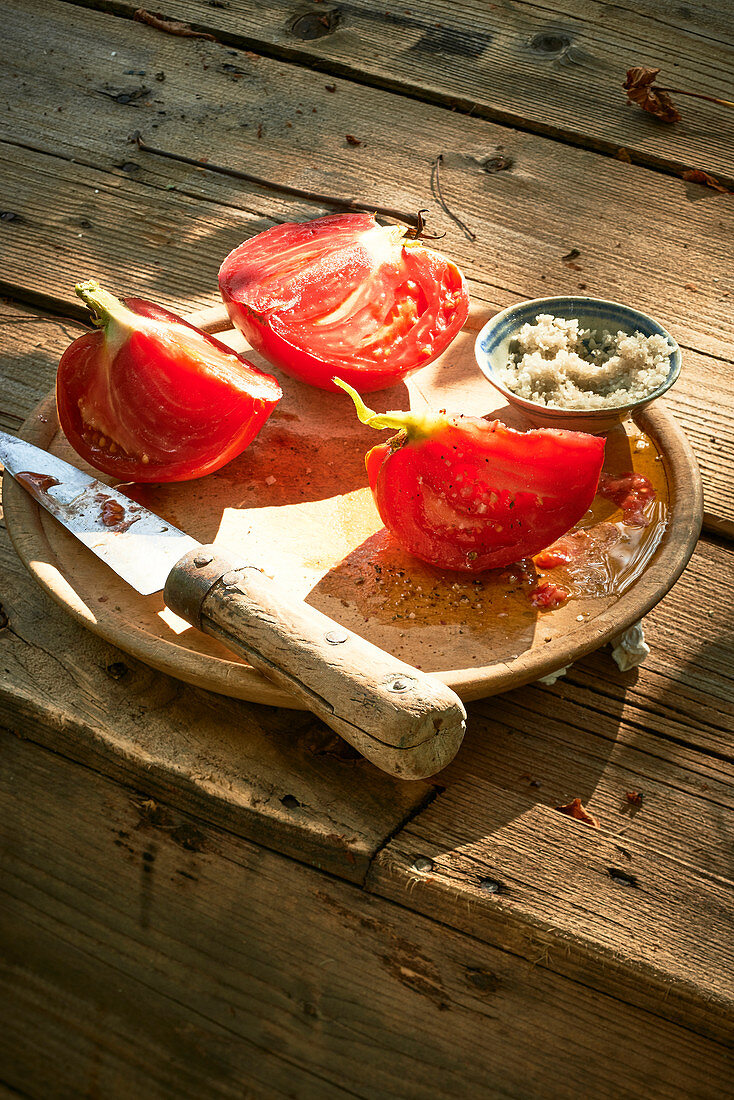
(557, 71)
(343, 679)
(257, 975)
(154, 968)
(662, 243)
(596, 736)
(678, 269)
(598, 741)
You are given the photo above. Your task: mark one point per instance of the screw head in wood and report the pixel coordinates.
(490, 885)
(400, 683)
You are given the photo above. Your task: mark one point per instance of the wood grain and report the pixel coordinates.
(534, 881)
(557, 72)
(225, 969)
(550, 888)
(664, 244)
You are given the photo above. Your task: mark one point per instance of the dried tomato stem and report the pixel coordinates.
(696, 95)
(470, 236)
(415, 425)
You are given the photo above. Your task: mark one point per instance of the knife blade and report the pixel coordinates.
(138, 545)
(405, 721)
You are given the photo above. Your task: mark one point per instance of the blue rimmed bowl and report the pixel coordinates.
(492, 350)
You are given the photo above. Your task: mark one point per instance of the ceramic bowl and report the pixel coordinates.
(492, 350)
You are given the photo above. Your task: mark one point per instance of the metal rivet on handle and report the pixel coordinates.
(201, 560)
(231, 579)
(399, 684)
(335, 637)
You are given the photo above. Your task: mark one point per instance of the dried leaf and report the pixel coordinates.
(695, 175)
(577, 810)
(170, 26)
(634, 797)
(638, 87)
(353, 140)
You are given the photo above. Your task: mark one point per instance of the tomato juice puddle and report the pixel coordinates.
(614, 542)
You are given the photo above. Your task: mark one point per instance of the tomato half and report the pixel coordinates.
(343, 295)
(470, 494)
(148, 397)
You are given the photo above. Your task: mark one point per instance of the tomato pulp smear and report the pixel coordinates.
(345, 296)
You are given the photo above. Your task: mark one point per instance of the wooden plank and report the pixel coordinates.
(232, 971)
(639, 926)
(557, 72)
(31, 344)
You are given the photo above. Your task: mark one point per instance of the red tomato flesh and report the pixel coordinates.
(148, 397)
(469, 494)
(343, 295)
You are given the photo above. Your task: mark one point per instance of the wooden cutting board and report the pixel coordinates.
(298, 504)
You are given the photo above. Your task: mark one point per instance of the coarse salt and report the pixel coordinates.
(555, 363)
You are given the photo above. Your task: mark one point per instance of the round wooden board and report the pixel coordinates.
(297, 502)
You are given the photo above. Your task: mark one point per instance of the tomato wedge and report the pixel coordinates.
(470, 494)
(148, 397)
(343, 295)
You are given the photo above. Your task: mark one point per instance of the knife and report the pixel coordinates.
(405, 721)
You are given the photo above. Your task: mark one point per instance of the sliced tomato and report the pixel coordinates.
(149, 397)
(343, 295)
(470, 494)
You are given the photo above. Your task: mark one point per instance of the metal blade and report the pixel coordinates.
(141, 547)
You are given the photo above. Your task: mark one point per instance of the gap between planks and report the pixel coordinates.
(352, 71)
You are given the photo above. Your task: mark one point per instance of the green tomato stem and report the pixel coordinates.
(415, 425)
(104, 306)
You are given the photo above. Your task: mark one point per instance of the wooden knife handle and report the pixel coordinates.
(404, 721)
